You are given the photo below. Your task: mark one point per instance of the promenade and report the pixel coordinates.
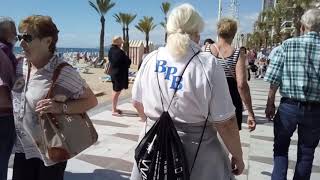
(111, 158)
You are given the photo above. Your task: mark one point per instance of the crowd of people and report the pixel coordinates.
(202, 88)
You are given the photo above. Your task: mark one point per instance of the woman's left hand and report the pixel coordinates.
(48, 106)
(251, 123)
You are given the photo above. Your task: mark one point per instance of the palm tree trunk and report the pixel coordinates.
(165, 37)
(101, 50)
(127, 41)
(147, 43)
(296, 20)
(124, 33)
(297, 26)
(166, 34)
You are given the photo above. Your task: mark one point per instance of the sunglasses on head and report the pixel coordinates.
(26, 37)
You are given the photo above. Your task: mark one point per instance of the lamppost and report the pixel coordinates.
(242, 38)
(219, 9)
(219, 13)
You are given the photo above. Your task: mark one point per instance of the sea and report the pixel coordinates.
(18, 50)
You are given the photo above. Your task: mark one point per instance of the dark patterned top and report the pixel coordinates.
(228, 63)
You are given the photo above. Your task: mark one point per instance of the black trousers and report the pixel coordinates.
(236, 99)
(34, 169)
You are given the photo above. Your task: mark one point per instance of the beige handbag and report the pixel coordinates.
(65, 135)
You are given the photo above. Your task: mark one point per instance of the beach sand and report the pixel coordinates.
(103, 88)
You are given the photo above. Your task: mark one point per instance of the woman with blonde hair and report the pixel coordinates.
(197, 86)
(233, 62)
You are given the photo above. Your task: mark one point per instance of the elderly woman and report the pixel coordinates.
(233, 62)
(38, 37)
(202, 94)
(8, 35)
(120, 64)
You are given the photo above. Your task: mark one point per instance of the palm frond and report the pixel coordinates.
(165, 7)
(117, 17)
(104, 6)
(139, 28)
(146, 24)
(131, 17)
(163, 24)
(120, 18)
(94, 7)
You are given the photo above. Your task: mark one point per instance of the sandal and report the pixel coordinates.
(117, 113)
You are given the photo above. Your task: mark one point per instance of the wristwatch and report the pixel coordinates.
(64, 108)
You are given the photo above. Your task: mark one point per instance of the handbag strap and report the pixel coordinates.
(224, 59)
(198, 148)
(55, 76)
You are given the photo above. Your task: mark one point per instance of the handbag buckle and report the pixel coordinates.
(178, 170)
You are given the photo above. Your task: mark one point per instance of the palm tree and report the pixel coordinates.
(102, 7)
(273, 17)
(165, 7)
(256, 40)
(128, 20)
(263, 29)
(145, 25)
(120, 18)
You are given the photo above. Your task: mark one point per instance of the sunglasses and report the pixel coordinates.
(26, 37)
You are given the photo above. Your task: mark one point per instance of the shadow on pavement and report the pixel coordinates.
(266, 173)
(129, 113)
(99, 174)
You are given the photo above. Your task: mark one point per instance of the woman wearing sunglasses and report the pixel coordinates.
(38, 37)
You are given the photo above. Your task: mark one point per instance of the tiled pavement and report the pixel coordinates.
(111, 157)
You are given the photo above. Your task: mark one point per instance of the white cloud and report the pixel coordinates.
(247, 22)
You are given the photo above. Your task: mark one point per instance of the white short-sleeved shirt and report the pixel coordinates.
(25, 97)
(203, 87)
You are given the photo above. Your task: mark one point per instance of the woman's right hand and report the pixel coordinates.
(237, 165)
(251, 123)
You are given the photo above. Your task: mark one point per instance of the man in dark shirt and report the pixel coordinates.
(7, 77)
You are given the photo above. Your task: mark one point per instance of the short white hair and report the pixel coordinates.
(117, 40)
(5, 23)
(183, 21)
(311, 19)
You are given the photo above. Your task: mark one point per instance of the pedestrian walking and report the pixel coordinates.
(38, 36)
(233, 62)
(7, 78)
(295, 69)
(197, 85)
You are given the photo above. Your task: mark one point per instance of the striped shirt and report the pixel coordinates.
(25, 96)
(229, 63)
(295, 67)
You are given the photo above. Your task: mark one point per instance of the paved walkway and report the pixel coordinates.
(111, 158)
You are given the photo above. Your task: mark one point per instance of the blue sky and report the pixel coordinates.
(79, 23)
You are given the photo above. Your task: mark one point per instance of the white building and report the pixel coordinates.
(268, 4)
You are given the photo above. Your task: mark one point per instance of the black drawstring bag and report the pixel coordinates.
(160, 154)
